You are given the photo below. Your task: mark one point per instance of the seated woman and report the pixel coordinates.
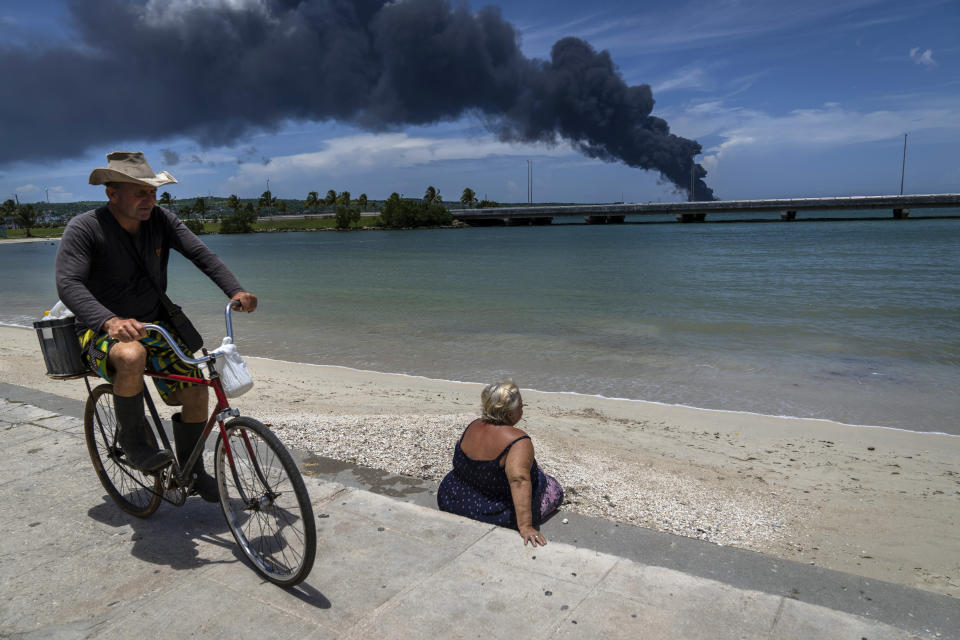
(495, 477)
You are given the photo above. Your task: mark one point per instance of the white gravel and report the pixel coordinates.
(599, 483)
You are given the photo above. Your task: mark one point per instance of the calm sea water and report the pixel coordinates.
(857, 322)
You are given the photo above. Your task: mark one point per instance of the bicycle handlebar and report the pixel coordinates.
(176, 348)
(226, 313)
(173, 345)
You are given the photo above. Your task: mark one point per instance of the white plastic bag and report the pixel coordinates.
(234, 376)
(58, 311)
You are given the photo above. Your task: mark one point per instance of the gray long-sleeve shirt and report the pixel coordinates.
(98, 278)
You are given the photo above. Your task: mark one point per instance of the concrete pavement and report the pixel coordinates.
(72, 565)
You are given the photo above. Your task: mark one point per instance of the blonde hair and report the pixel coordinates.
(498, 399)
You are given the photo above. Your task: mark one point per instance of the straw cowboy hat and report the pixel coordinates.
(130, 166)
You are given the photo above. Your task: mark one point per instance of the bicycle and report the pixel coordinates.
(262, 494)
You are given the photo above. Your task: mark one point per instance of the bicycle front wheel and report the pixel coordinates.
(265, 502)
(135, 492)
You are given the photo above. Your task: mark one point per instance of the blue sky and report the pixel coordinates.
(787, 99)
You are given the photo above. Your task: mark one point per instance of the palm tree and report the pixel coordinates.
(468, 197)
(165, 198)
(313, 200)
(362, 201)
(26, 217)
(233, 202)
(8, 207)
(432, 195)
(344, 198)
(266, 200)
(331, 198)
(200, 206)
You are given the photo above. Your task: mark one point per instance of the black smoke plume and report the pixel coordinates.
(137, 70)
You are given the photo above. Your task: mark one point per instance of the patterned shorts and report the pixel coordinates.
(94, 348)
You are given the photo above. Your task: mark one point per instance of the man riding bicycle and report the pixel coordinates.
(112, 274)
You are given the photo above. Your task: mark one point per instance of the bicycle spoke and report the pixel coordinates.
(265, 502)
(136, 493)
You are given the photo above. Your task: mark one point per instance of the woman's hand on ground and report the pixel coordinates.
(532, 536)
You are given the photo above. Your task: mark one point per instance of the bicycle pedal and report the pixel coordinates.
(159, 471)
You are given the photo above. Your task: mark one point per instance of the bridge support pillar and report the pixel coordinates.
(691, 217)
(900, 214)
(787, 216)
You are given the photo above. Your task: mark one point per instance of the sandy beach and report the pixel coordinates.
(876, 502)
(21, 240)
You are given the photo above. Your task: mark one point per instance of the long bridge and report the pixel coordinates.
(899, 206)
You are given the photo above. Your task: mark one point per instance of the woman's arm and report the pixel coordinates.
(517, 468)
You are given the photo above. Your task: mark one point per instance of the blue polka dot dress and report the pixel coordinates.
(479, 489)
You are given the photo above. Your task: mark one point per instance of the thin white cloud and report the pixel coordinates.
(540, 36)
(369, 152)
(831, 125)
(56, 193)
(687, 78)
(60, 194)
(923, 58)
(695, 24)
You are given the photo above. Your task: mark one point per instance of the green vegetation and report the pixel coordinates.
(197, 226)
(39, 232)
(397, 213)
(307, 224)
(346, 214)
(241, 221)
(468, 198)
(251, 215)
(24, 216)
(266, 200)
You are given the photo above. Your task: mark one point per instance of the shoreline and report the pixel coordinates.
(596, 396)
(585, 396)
(806, 490)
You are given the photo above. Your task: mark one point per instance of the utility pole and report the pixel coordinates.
(529, 182)
(903, 167)
(692, 165)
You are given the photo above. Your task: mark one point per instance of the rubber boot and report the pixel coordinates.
(132, 437)
(185, 436)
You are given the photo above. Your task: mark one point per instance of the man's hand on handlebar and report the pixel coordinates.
(124, 329)
(248, 301)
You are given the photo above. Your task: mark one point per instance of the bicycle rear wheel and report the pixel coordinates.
(136, 493)
(265, 502)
